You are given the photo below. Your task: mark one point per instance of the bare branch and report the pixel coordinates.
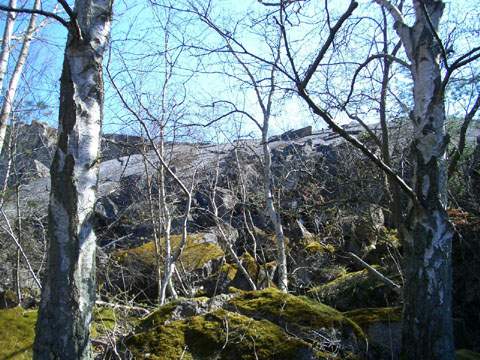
(39, 12)
(435, 34)
(374, 272)
(393, 10)
(463, 134)
(391, 58)
(331, 36)
(357, 144)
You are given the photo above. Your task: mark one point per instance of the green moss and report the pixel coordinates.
(294, 311)
(104, 320)
(158, 317)
(258, 272)
(219, 335)
(389, 236)
(194, 256)
(8, 299)
(268, 238)
(465, 354)
(253, 325)
(367, 316)
(17, 332)
(314, 247)
(350, 290)
(229, 270)
(159, 342)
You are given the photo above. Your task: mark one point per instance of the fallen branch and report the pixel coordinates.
(374, 272)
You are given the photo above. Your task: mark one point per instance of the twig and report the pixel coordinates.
(39, 12)
(375, 272)
(125, 307)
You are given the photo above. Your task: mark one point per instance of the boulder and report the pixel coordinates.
(355, 289)
(383, 328)
(293, 134)
(256, 325)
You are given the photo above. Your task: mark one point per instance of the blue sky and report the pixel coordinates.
(135, 32)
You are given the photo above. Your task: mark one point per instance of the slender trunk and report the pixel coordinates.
(392, 188)
(272, 212)
(156, 222)
(68, 294)
(166, 227)
(17, 72)
(175, 255)
(18, 286)
(7, 37)
(427, 316)
(243, 191)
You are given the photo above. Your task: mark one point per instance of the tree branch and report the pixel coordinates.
(357, 144)
(389, 57)
(463, 134)
(331, 36)
(374, 272)
(435, 34)
(393, 10)
(39, 12)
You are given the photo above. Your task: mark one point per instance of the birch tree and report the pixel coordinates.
(157, 112)
(6, 41)
(262, 82)
(68, 292)
(426, 232)
(9, 97)
(427, 317)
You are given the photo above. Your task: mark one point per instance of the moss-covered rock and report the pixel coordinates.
(17, 332)
(313, 246)
(8, 299)
(104, 320)
(261, 274)
(303, 317)
(218, 335)
(195, 255)
(286, 309)
(265, 324)
(383, 329)
(367, 316)
(353, 290)
(134, 270)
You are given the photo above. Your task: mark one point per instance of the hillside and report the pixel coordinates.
(334, 208)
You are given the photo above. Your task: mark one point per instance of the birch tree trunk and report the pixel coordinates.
(17, 72)
(272, 211)
(6, 39)
(427, 316)
(68, 293)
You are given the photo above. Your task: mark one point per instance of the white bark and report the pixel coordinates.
(17, 72)
(272, 212)
(427, 317)
(68, 294)
(7, 37)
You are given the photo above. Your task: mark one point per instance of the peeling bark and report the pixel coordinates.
(427, 316)
(68, 294)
